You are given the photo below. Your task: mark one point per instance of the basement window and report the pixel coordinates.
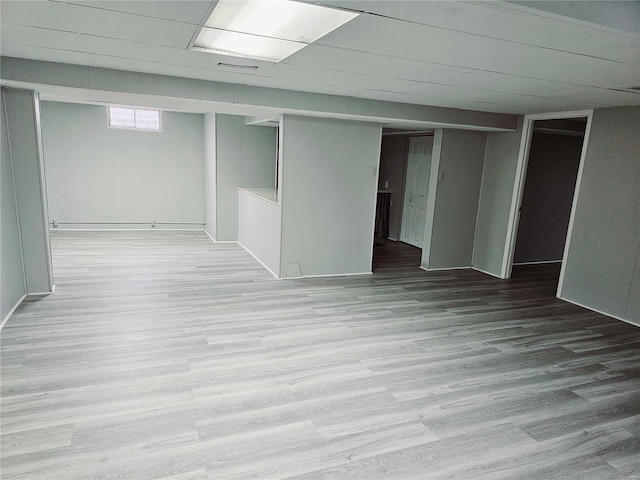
(134, 118)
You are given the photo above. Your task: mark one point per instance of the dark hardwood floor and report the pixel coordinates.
(163, 355)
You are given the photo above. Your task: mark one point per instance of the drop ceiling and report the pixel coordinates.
(502, 57)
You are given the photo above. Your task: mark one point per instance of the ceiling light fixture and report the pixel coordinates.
(268, 30)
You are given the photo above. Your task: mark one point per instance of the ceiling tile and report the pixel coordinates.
(188, 11)
(577, 69)
(500, 20)
(383, 37)
(602, 96)
(164, 69)
(301, 86)
(176, 57)
(45, 54)
(41, 37)
(333, 77)
(477, 55)
(320, 56)
(42, 13)
(613, 47)
(500, 82)
(124, 26)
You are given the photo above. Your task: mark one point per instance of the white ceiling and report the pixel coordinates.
(498, 57)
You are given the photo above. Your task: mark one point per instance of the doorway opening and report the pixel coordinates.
(403, 182)
(550, 164)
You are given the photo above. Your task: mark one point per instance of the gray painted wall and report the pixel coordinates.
(328, 195)
(25, 144)
(210, 174)
(602, 259)
(101, 175)
(458, 157)
(245, 157)
(393, 158)
(498, 179)
(547, 198)
(11, 268)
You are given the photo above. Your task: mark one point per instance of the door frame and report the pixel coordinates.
(520, 178)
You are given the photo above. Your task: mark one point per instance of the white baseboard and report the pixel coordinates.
(542, 262)
(487, 273)
(220, 241)
(331, 275)
(5, 319)
(157, 229)
(600, 312)
(441, 269)
(259, 261)
(30, 297)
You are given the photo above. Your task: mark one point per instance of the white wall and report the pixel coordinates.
(245, 157)
(23, 122)
(328, 181)
(454, 193)
(106, 177)
(210, 174)
(498, 179)
(11, 268)
(602, 269)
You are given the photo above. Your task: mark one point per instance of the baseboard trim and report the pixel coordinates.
(30, 297)
(220, 241)
(156, 229)
(542, 262)
(615, 317)
(330, 275)
(259, 261)
(15, 307)
(209, 235)
(487, 273)
(441, 269)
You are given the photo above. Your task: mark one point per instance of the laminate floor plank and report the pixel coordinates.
(162, 355)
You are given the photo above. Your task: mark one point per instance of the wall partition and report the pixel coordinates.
(26, 255)
(328, 180)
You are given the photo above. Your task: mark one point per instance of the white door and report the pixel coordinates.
(415, 190)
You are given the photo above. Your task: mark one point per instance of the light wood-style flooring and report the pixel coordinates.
(162, 355)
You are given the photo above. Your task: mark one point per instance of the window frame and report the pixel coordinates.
(135, 128)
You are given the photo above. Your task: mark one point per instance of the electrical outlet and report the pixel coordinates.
(386, 184)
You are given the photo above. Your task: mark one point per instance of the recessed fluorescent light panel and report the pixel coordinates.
(269, 30)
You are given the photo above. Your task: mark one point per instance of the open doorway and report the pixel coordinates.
(550, 164)
(405, 166)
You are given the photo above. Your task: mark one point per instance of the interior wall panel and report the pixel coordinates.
(329, 174)
(602, 254)
(23, 122)
(498, 178)
(457, 190)
(11, 267)
(210, 204)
